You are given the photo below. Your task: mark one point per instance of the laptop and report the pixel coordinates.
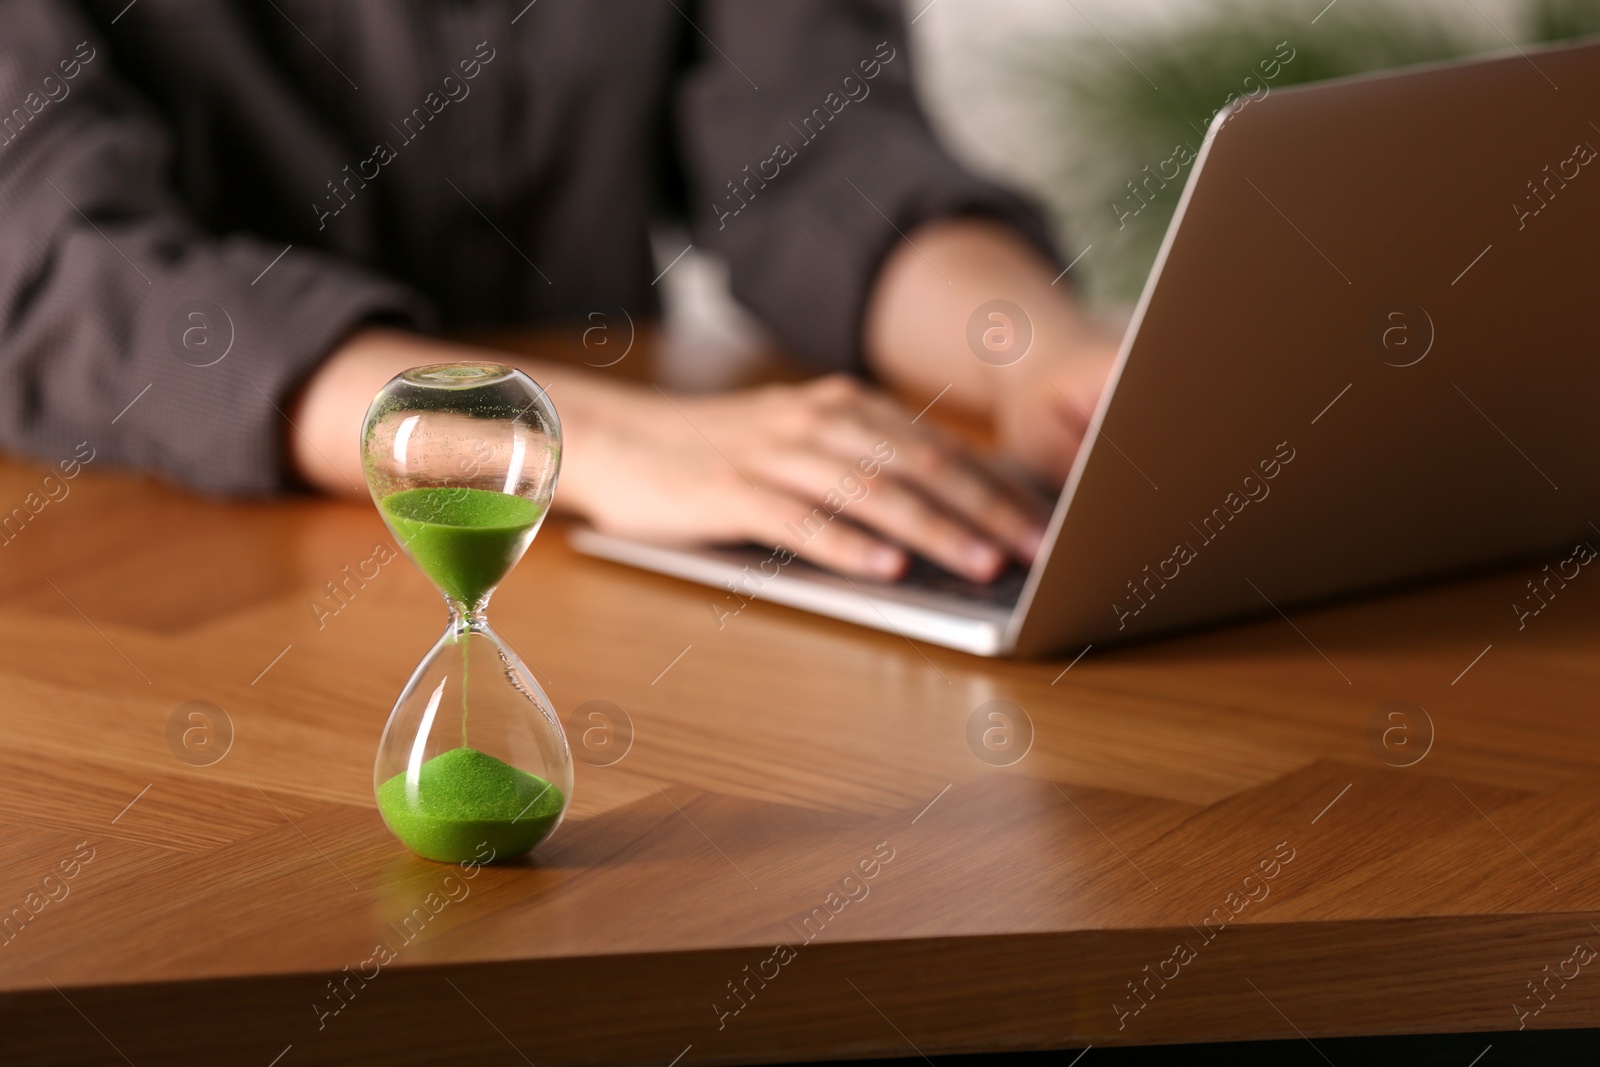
(1368, 353)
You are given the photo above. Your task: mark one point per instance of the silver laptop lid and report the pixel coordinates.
(1366, 354)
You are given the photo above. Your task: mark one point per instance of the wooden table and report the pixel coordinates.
(791, 781)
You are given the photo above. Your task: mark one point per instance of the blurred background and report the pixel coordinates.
(1071, 101)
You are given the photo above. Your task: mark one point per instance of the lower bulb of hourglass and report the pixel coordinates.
(473, 764)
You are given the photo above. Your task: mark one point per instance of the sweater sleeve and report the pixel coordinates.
(123, 323)
(807, 158)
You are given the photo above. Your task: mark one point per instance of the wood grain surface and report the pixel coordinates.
(804, 854)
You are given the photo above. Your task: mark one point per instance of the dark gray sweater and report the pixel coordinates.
(440, 164)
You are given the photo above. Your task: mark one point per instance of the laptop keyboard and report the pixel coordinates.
(1004, 591)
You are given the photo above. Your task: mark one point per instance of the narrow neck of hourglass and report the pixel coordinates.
(464, 618)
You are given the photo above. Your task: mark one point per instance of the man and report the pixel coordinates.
(312, 186)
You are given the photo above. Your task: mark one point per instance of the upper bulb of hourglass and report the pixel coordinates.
(462, 461)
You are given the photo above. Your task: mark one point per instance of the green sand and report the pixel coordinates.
(464, 539)
(465, 798)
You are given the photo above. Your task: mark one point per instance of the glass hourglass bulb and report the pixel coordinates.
(462, 461)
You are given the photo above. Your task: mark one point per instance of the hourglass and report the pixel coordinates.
(462, 460)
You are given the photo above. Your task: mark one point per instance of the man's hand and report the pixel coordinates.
(1042, 412)
(919, 337)
(832, 470)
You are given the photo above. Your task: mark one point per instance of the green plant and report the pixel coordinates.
(1556, 20)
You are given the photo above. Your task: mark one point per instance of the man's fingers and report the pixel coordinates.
(960, 486)
(937, 466)
(1025, 489)
(1048, 442)
(818, 535)
(923, 526)
(885, 506)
